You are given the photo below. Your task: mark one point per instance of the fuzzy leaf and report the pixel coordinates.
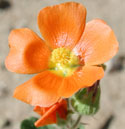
(28, 123)
(86, 102)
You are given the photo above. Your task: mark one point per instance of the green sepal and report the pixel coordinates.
(86, 101)
(29, 124)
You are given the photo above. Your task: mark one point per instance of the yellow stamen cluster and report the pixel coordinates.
(63, 62)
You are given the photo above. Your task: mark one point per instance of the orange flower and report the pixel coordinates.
(49, 114)
(69, 59)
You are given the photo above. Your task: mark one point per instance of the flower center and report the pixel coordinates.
(63, 62)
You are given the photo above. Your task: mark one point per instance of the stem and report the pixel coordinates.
(77, 122)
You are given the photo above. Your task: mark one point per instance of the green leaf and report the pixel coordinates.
(86, 101)
(29, 124)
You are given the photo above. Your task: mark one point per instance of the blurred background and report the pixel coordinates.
(23, 13)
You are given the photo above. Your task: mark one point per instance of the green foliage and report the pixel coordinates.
(86, 102)
(29, 124)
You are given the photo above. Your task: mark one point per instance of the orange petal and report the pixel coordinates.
(40, 110)
(82, 78)
(62, 25)
(40, 90)
(28, 53)
(98, 43)
(49, 116)
(51, 119)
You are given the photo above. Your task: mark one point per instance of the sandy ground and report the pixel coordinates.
(23, 13)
